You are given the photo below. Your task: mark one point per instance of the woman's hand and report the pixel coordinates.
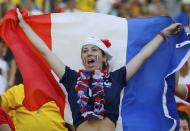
(19, 15)
(172, 29)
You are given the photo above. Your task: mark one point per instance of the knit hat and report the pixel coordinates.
(103, 44)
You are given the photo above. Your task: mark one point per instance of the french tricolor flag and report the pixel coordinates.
(148, 101)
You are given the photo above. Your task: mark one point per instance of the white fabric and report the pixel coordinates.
(165, 108)
(100, 44)
(75, 28)
(179, 100)
(3, 75)
(185, 80)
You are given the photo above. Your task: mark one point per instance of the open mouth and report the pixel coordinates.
(91, 61)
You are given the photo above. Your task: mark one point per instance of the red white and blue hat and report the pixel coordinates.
(103, 44)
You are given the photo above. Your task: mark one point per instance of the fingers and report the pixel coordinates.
(175, 28)
(19, 15)
(177, 24)
(178, 28)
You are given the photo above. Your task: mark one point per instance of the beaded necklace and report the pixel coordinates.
(90, 93)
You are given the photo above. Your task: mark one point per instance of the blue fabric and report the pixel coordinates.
(112, 95)
(170, 101)
(182, 18)
(142, 104)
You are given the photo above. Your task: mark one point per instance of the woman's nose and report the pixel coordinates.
(89, 52)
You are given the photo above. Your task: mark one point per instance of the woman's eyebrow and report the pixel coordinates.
(85, 48)
(94, 47)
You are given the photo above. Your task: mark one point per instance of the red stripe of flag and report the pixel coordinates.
(40, 85)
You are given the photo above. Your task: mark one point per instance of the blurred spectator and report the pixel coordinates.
(86, 5)
(183, 16)
(184, 76)
(46, 118)
(184, 79)
(173, 7)
(135, 9)
(60, 6)
(5, 6)
(104, 6)
(115, 9)
(162, 10)
(3, 68)
(9, 58)
(184, 107)
(156, 8)
(123, 10)
(71, 6)
(39, 4)
(6, 123)
(184, 121)
(32, 7)
(18, 77)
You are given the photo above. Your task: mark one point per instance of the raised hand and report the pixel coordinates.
(19, 15)
(172, 29)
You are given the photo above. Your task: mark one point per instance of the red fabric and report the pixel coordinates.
(5, 119)
(188, 95)
(40, 85)
(107, 43)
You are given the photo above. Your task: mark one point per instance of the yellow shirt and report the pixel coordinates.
(46, 118)
(86, 5)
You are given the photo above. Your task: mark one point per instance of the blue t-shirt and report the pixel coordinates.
(112, 95)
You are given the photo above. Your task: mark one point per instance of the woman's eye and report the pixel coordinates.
(84, 51)
(94, 49)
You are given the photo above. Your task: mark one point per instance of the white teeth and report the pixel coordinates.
(91, 61)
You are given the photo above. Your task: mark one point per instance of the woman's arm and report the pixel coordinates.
(55, 63)
(180, 89)
(136, 62)
(5, 127)
(12, 73)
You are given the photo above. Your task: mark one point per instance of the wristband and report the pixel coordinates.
(188, 92)
(162, 35)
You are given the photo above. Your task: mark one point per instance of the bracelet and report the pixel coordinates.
(188, 92)
(162, 35)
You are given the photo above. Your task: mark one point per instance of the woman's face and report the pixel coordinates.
(183, 125)
(92, 57)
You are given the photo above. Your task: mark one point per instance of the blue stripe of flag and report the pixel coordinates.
(142, 105)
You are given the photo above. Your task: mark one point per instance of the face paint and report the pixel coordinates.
(97, 57)
(84, 61)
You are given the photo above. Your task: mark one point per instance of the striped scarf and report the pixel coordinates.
(90, 93)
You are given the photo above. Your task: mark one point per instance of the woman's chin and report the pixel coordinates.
(91, 68)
